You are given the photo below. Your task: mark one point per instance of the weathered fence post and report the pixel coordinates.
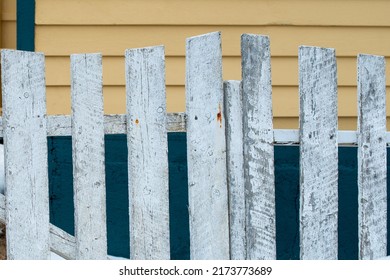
(26, 178)
(148, 153)
(88, 156)
(318, 153)
(235, 169)
(372, 171)
(206, 149)
(258, 147)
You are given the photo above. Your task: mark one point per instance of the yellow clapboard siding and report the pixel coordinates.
(284, 70)
(113, 40)
(8, 12)
(8, 35)
(59, 100)
(285, 100)
(215, 12)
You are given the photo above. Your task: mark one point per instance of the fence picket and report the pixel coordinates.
(235, 168)
(147, 158)
(26, 178)
(258, 148)
(88, 156)
(318, 153)
(206, 149)
(372, 171)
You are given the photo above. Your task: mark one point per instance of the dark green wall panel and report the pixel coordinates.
(287, 196)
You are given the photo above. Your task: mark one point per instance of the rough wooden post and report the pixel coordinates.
(318, 153)
(88, 156)
(235, 169)
(147, 158)
(26, 178)
(258, 147)
(206, 149)
(372, 171)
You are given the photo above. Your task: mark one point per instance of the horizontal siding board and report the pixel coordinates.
(285, 70)
(58, 100)
(64, 40)
(200, 12)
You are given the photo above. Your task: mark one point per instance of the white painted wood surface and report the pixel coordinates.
(2, 208)
(26, 178)
(258, 148)
(206, 149)
(148, 153)
(60, 125)
(318, 153)
(88, 156)
(62, 243)
(235, 169)
(372, 154)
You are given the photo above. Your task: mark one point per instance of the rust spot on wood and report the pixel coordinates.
(219, 115)
(136, 121)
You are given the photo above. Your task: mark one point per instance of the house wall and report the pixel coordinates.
(73, 26)
(8, 24)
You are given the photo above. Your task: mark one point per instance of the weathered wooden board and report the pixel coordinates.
(26, 178)
(235, 169)
(88, 156)
(60, 125)
(2, 209)
(206, 149)
(258, 148)
(318, 153)
(148, 153)
(372, 168)
(62, 243)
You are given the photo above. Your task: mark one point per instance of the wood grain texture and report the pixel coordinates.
(88, 156)
(206, 149)
(318, 153)
(148, 153)
(62, 243)
(372, 154)
(2, 209)
(60, 125)
(258, 148)
(26, 178)
(235, 169)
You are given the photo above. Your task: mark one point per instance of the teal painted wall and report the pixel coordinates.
(287, 196)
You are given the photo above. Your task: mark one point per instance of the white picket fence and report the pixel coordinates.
(230, 149)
